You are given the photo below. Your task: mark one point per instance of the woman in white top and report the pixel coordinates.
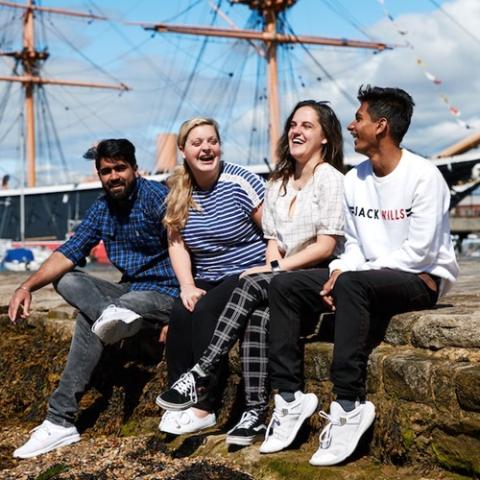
(303, 222)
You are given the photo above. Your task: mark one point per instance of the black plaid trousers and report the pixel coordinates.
(246, 309)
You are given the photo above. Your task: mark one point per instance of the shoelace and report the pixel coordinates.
(326, 435)
(249, 418)
(275, 426)
(168, 414)
(183, 419)
(185, 385)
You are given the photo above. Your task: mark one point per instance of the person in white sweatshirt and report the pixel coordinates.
(398, 257)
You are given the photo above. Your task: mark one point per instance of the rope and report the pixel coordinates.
(336, 7)
(323, 69)
(437, 82)
(458, 24)
(60, 35)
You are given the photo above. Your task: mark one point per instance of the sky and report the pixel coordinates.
(432, 38)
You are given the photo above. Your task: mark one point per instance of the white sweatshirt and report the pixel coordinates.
(399, 221)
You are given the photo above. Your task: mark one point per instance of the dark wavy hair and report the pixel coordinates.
(116, 149)
(332, 151)
(394, 104)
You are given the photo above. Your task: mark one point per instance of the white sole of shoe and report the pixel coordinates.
(185, 432)
(367, 420)
(243, 441)
(240, 441)
(115, 330)
(308, 410)
(178, 407)
(175, 407)
(60, 443)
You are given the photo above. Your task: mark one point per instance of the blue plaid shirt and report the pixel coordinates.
(135, 239)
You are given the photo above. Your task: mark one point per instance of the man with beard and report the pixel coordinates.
(128, 219)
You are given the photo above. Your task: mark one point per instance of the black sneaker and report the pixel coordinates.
(249, 428)
(188, 390)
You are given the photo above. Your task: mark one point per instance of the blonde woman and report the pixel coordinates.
(303, 222)
(213, 218)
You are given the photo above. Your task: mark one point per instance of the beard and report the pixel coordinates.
(119, 190)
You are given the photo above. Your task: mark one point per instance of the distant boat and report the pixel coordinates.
(22, 259)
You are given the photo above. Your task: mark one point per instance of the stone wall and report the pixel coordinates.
(424, 379)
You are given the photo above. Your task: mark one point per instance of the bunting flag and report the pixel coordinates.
(432, 78)
(454, 111)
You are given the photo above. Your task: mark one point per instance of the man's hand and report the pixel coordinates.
(190, 295)
(56, 265)
(326, 292)
(19, 306)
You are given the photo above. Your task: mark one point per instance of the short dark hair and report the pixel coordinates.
(116, 149)
(394, 104)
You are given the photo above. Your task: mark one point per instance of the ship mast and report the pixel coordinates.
(31, 61)
(270, 10)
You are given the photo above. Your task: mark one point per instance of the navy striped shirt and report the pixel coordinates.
(135, 239)
(222, 237)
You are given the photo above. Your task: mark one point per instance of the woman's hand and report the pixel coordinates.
(190, 295)
(260, 269)
(162, 338)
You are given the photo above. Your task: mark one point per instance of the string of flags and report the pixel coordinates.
(453, 110)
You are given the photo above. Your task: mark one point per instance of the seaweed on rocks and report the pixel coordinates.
(209, 471)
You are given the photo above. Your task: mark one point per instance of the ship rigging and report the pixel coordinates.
(267, 36)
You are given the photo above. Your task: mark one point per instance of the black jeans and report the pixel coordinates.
(189, 333)
(361, 299)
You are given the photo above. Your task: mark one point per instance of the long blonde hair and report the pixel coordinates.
(181, 182)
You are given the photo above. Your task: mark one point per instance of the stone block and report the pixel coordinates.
(459, 422)
(467, 387)
(402, 430)
(443, 386)
(318, 358)
(375, 367)
(460, 453)
(62, 312)
(399, 330)
(437, 331)
(407, 376)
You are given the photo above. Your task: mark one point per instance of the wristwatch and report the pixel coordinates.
(275, 266)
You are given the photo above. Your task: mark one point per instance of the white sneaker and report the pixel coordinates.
(116, 323)
(342, 433)
(46, 437)
(180, 422)
(286, 421)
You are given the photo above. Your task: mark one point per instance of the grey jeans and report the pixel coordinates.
(90, 295)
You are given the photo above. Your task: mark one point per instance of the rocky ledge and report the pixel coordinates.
(424, 379)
